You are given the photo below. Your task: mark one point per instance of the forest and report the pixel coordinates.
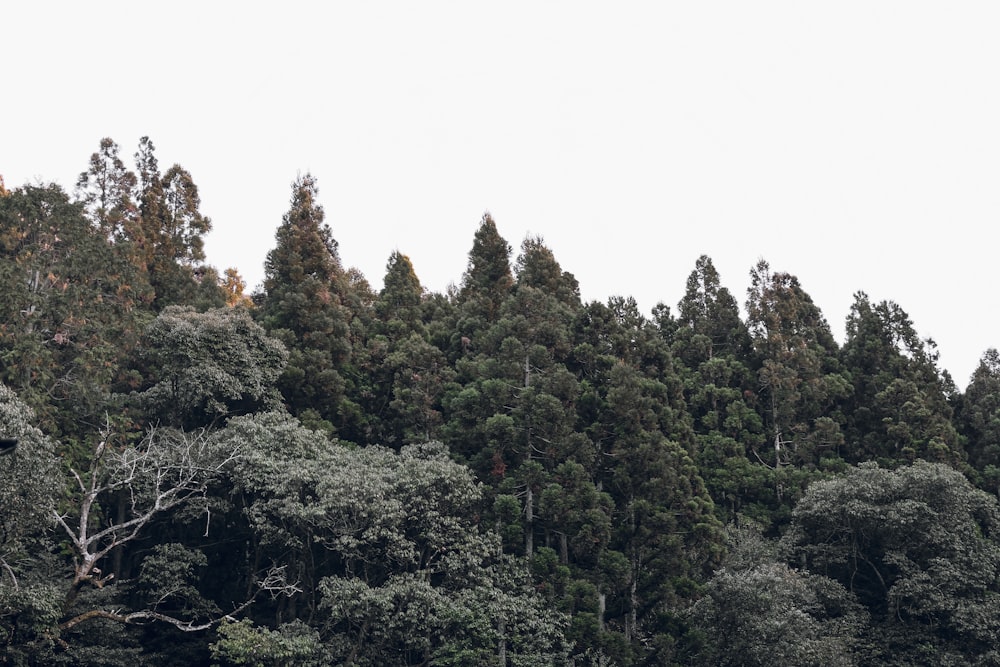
(321, 473)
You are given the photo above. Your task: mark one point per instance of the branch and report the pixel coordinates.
(274, 583)
(137, 617)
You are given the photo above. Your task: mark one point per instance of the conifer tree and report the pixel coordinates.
(106, 191)
(168, 238)
(713, 345)
(899, 409)
(979, 419)
(68, 306)
(488, 278)
(800, 378)
(303, 289)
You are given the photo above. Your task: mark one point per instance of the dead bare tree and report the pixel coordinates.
(164, 471)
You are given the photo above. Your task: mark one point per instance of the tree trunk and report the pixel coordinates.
(501, 644)
(529, 519)
(602, 607)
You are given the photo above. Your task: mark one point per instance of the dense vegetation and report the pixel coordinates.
(323, 474)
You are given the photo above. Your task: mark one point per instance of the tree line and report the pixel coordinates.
(321, 473)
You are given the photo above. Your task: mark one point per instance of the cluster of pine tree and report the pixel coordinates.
(325, 474)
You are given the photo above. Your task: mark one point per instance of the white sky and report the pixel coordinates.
(855, 145)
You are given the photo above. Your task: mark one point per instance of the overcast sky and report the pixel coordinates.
(855, 145)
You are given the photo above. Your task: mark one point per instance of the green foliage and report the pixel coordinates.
(899, 409)
(917, 546)
(388, 557)
(572, 513)
(488, 278)
(800, 376)
(243, 643)
(67, 308)
(200, 367)
(303, 306)
(771, 614)
(979, 418)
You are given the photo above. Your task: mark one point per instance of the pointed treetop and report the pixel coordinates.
(401, 286)
(488, 279)
(305, 245)
(537, 267)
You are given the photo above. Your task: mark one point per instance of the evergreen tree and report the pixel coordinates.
(167, 240)
(303, 307)
(979, 419)
(899, 409)
(398, 305)
(106, 191)
(800, 377)
(488, 278)
(713, 345)
(69, 308)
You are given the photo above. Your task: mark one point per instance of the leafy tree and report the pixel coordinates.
(771, 614)
(243, 643)
(29, 595)
(918, 547)
(390, 563)
(199, 367)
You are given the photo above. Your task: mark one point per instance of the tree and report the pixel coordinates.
(800, 378)
(712, 345)
(979, 418)
(168, 240)
(106, 190)
(488, 278)
(899, 409)
(167, 470)
(708, 320)
(537, 268)
(304, 287)
(70, 308)
(198, 368)
(391, 563)
(773, 615)
(398, 306)
(919, 548)
(31, 483)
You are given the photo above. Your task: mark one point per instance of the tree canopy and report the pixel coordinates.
(325, 472)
